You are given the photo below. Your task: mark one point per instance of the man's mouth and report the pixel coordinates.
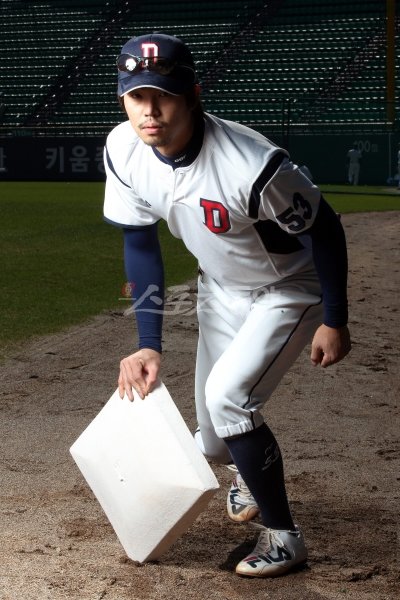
(151, 127)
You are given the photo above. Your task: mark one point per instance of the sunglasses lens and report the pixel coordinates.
(162, 66)
(134, 64)
(128, 63)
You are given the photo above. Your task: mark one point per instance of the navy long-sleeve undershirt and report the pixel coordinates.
(329, 250)
(145, 272)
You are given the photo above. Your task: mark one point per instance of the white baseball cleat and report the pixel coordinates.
(275, 553)
(240, 504)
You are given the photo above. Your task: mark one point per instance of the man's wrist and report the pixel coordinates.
(157, 347)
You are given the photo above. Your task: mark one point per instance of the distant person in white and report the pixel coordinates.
(354, 156)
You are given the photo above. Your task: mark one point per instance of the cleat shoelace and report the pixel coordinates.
(266, 540)
(244, 491)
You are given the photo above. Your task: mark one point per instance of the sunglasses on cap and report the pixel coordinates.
(135, 64)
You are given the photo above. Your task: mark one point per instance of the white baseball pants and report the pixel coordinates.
(354, 172)
(247, 342)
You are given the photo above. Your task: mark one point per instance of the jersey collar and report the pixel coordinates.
(190, 152)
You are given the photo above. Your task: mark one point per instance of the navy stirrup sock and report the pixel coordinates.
(258, 459)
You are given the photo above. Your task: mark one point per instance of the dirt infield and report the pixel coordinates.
(338, 431)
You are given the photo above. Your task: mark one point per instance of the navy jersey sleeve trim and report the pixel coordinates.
(112, 169)
(123, 226)
(261, 181)
(275, 240)
(330, 258)
(145, 275)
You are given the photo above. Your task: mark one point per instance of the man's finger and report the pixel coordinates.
(121, 389)
(316, 355)
(326, 361)
(127, 381)
(151, 379)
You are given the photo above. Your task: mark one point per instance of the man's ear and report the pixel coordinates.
(122, 103)
(194, 96)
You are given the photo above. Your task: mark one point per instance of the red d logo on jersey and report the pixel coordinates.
(216, 216)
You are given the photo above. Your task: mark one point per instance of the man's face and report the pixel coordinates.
(160, 119)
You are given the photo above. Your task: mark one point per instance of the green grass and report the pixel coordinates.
(345, 199)
(62, 264)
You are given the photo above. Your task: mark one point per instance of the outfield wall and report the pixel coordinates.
(81, 159)
(326, 156)
(52, 159)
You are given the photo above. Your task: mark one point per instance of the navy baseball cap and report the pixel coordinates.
(158, 61)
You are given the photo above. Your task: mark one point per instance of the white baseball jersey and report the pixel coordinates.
(354, 156)
(236, 207)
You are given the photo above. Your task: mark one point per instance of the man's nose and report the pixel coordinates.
(152, 108)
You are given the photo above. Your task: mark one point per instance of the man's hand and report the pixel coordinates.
(330, 345)
(139, 371)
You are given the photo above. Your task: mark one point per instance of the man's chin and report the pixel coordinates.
(153, 140)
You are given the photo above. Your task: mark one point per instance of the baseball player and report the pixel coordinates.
(272, 272)
(354, 156)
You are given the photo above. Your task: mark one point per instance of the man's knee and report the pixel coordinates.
(220, 394)
(213, 448)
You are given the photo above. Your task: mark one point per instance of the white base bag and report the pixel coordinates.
(145, 469)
